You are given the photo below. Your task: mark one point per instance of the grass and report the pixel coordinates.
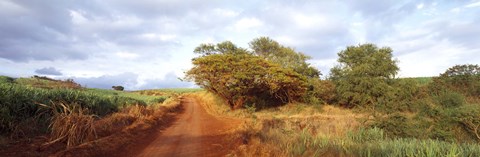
(148, 99)
(421, 81)
(47, 83)
(323, 130)
(20, 104)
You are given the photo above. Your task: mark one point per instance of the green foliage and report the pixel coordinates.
(119, 88)
(148, 99)
(283, 56)
(365, 75)
(21, 103)
(413, 147)
(365, 135)
(460, 78)
(420, 81)
(240, 78)
(365, 142)
(269, 75)
(226, 47)
(450, 99)
(320, 91)
(6, 79)
(47, 83)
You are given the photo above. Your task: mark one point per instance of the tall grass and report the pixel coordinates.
(148, 99)
(20, 103)
(363, 142)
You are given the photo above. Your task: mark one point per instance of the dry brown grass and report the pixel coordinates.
(70, 124)
(284, 130)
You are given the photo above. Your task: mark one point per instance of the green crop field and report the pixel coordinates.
(23, 99)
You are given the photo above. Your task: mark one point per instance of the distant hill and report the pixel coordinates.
(42, 82)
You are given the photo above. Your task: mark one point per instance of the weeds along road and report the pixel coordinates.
(194, 133)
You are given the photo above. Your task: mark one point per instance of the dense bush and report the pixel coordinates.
(450, 99)
(320, 91)
(119, 88)
(364, 75)
(464, 79)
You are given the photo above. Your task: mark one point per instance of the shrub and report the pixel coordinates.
(464, 79)
(364, 75)
(450, 99)
(119, 88)
(320, 91)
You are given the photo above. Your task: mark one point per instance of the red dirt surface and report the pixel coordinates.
(194, 133)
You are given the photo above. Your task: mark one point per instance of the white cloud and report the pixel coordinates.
(248, 23)
(153, 41)
(456, 10)
(473, 5)
(161, 37)
(77, 17)
(420, 6)
(126, 55)
(226, 12)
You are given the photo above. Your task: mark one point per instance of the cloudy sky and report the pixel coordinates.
(145, 44)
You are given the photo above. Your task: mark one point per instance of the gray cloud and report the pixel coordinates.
(127, 80)
(130, 82)
(117, 36)
(170, 81)
(39, 31)
(48, 71)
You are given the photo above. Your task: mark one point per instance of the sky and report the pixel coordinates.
(147, 44)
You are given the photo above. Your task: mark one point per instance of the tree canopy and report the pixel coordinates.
(269, 72)
(241, 78)
(460, 78)
(364, 74)
(284, 56)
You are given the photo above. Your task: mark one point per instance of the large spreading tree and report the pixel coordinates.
(240, 76)
(364, 75)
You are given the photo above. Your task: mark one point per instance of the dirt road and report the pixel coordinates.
(194, 133)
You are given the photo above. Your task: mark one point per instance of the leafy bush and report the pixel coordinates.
(320, 91)
(450, 99)
(119, 88)
(464, 79)
(364, 75)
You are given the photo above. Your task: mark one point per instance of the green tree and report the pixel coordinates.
(119, 88)
(245, 78)
(225, 47)
(461, 78)
(364, 75)
(284, 56)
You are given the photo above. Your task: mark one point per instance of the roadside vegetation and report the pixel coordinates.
(60, 116)
(361, 109)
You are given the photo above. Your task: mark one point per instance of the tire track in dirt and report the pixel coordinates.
(195, 133)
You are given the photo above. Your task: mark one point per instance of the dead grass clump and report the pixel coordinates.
(71, 124)
(113, 123)
(138, 111)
